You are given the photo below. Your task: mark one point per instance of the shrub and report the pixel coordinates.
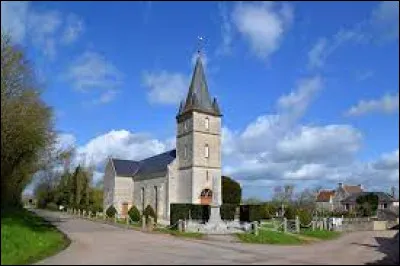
(251, 213)
(52, 206)
(367, 204)
(111, 211)
(231, 191)
(199, 212)
(269, 210)
(304, 215)
(290, 212)
(228, 211)
(149, 212)
(134, 214)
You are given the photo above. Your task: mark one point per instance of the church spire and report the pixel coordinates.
(198, 97)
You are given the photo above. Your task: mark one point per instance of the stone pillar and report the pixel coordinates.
(143, 222)
(284, 225)
(255, 228)
(297, 224)
(180, 225)
(313, 225)
(325, 226)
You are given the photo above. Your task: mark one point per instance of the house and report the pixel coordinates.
(385, 201)
(331, 200)
(182, 175)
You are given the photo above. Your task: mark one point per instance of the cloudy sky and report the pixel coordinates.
(309, 91)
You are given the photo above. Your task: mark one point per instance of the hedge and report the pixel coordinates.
(231, 191)
(228, 211)
(184, 210)
(251, 213)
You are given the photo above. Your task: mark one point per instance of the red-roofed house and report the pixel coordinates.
(331, 199)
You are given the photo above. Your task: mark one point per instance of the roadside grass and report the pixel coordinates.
(179, 234)
(322, 235)
(270, 237)
(27, 238)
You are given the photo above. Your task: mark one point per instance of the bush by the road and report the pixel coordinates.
(111, 211)
(134, 214)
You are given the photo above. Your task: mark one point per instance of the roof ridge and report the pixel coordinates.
(158, 154)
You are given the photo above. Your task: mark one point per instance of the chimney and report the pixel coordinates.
(340, 185)
(361, 187)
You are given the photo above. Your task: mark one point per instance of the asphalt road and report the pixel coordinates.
(97, 243)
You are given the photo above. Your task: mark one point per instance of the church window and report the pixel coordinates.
(207, 178)
(185, 151)
(207, 123)
(156, 199)
(206, 151)
(142, 196)
(185, 125)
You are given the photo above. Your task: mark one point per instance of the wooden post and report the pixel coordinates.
(284, 224)
(127, 220)
(115, 218)
(297, 224)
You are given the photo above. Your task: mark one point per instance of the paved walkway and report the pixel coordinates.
(97, 243)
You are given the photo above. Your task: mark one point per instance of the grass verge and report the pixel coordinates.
(27, 238)
(323, 234)
(179, 234)
(270, 237)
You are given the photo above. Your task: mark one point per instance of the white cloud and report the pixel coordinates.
(92, 71)
(388, 161)
(263, 25)
(388, 104)
(165, 87)
(13, 18)
(73, 29)
(324, 47)
(41, 28)
(65, 141)
(385, 20)
(364, 75)
(226, 31)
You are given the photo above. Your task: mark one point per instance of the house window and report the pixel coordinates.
(385, 205)
(347, 207)
(207, 123)
(206, 151)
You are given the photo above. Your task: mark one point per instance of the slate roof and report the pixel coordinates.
(382, 197)
(145, 168)
(198, 97)
(125, 167)
(352, 189)
(325, 195)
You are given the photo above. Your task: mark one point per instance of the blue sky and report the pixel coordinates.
(309, 91)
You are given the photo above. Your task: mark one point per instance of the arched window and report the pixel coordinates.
(206, 151)
(207, 123)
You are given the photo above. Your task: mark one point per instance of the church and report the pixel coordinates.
(182, 175)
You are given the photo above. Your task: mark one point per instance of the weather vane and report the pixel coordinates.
(200, 41)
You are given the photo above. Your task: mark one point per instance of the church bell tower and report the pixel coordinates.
(198, 142)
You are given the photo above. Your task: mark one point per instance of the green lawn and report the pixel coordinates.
(27, 238)
(323, 235)
(179, 234)
(270, 237)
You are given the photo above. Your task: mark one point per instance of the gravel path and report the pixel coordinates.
(97, 243)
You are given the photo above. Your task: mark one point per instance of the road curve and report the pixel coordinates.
(97, 243)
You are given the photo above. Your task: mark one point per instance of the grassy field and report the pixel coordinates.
(270, 237)
(27, 238)
(323, 235)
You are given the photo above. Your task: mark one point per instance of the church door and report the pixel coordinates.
(124, 211)
(206, 197)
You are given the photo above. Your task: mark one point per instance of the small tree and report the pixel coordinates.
(149, 211)
(134, 214)
(111, 211)
(367, 204)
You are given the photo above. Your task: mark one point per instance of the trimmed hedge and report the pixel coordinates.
(228, 211)
(231, 191)
(111, 211)
(149, 211)
(184, 210)
(134, 214)
(251, 213)
(52, 206)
